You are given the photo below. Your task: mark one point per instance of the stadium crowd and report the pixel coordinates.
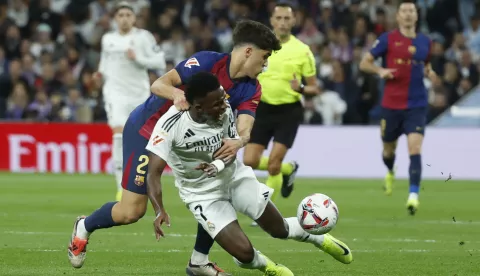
(50, 48)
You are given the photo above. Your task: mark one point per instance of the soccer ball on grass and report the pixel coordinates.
(317, 214)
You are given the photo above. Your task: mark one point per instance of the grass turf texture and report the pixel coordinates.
(37, 213)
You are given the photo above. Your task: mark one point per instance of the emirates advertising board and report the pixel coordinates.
(323, 152)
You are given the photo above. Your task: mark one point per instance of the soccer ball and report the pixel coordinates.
(317, 214)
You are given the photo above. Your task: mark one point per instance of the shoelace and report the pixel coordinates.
(214, 266)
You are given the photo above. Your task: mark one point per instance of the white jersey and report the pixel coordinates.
(127, 80)
(184, 144)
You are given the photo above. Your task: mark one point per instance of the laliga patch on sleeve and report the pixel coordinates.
(192, 62)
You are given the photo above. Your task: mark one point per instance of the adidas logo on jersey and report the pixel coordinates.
(265, 195)
(189, 134)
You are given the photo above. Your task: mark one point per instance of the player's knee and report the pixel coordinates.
(389, 149)
(251, 161)
(245, 254)
(414, 143)
(414, 149)
(131, 214)
(274, 167)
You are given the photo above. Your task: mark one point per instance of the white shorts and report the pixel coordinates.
(118, 111)
(246, 195)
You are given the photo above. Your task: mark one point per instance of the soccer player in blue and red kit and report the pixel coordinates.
(237, 73)
(405, 55)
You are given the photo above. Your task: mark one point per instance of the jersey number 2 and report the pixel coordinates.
(143, 159)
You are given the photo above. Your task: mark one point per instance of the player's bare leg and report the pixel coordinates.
(233, 240)
(117, 157)
(273, 223)
(252, 155)
(276, 167)
(388, 155)
(128, 210)
(415, 141)
(281, 175)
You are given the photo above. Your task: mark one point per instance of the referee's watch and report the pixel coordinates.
(302, 88)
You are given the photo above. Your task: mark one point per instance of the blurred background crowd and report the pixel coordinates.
(50, 48)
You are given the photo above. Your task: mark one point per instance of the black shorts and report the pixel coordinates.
(394, 122)
(279, 122)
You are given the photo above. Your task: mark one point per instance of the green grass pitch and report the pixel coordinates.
(37, 212)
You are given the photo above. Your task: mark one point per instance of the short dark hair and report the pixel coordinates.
(200, 85)
(249, 31)
(122, 5)
(407, 2)
(286, 4)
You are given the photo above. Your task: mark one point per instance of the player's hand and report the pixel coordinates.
(161, 218)
(97, 79)
(131, 54)
(386, 73)
(208, 168)
(180, 101)
(295, 84)
(229, 150)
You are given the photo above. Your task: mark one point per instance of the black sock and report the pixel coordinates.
(204, 242)
(389, 162)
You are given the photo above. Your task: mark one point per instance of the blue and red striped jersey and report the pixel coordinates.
(409, 57)
(243, 94)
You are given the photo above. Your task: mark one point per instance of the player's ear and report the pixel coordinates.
(248, 51)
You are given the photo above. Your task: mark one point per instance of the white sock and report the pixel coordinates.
(259, 262)
(199, 258)
(82, 232)
(413, 196)
(117, 155)
(295, 232)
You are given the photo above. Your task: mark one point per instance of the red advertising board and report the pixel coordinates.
(62, 147)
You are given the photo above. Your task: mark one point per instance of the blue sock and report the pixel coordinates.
(204, 242)
(101, 218)
(389, 161)
(415, 172)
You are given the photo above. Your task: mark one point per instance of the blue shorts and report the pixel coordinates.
(395, 122)
(135, 159)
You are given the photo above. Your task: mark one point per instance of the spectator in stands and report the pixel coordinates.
(18, 102)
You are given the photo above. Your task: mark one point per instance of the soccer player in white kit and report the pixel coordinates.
(214, 190)
(126, 55)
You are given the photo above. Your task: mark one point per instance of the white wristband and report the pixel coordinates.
(218, 164)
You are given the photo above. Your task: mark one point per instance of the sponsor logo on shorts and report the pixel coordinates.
(265, 195)
(139, 180)
(210, 226)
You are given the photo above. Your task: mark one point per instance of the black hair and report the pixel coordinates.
(253, 32)
(407, 2)
(123, 5)
(200, 85)
(286, 4)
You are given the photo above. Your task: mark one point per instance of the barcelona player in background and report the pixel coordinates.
(405, 56)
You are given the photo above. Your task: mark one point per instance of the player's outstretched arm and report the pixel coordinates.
(156, 165)
(166, 87)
